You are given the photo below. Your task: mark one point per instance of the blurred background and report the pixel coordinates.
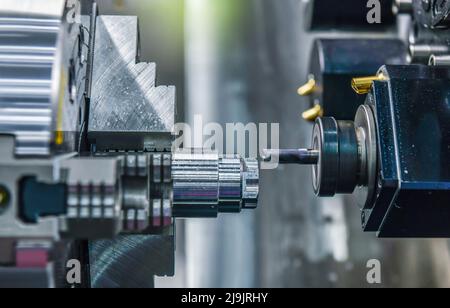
(242, 61)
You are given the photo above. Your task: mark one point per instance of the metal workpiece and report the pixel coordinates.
(102, 196)
(250, 183)
(205, 185)
(230, 184)
(128, 111)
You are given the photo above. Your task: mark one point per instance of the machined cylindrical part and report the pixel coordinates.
(337, 171)
(326, 171)
(348, 158)
(423, 52)
(439, 60)
(205, 185)
(250, 183)
(195, 185)
(230, 185)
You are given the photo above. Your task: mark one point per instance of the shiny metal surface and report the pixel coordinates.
(205, 185)
(422, 52)
(32, 7)
(443, 60)
(367, 143)
(28, 55)
(230, 184)
(146, 192)
(250, 183)
(325, 140)
(125, 98)
(337, 170)
(43, 65)
(298, 156)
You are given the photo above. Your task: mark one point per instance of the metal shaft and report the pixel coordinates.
(293, 156)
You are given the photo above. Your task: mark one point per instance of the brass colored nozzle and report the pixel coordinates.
(313, 113)
(3, 196)
(308, 88)
(363, 85)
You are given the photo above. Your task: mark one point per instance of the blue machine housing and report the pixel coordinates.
(412, 111)
(335, 62)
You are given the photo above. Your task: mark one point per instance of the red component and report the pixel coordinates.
(32, 258)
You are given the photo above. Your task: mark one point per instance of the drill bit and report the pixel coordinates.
(292, 156)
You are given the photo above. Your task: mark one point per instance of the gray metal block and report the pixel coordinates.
(128, 111)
